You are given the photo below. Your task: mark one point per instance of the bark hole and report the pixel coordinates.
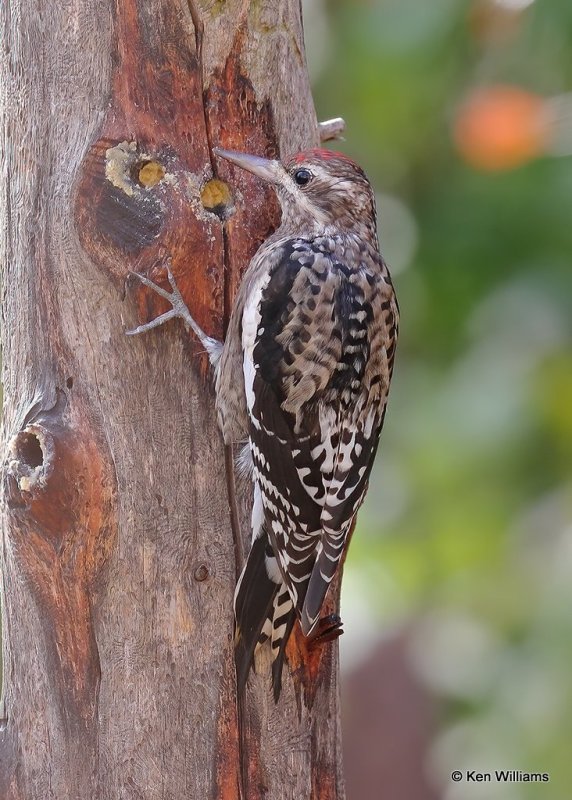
(31, 455)
(29, 450)
(147, 173)
(216, 197)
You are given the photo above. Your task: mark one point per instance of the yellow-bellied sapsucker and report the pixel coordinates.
(303, 378)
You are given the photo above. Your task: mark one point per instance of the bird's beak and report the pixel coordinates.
(264, 168)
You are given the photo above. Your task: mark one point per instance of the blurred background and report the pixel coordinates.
(457, 595)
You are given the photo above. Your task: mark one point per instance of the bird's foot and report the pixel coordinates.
(178, 305)
(178, 309)
(327, 630)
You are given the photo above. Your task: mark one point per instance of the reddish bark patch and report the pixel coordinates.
(130, 220)
(62, 492)
(237, 121)
(227, 751)
(310, 662)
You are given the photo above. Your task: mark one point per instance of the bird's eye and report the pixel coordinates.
(302, 176)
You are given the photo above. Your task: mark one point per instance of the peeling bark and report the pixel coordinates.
(123, 531)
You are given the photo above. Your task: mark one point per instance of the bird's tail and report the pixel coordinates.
(253, 604)
(283, 619)
(263, 611)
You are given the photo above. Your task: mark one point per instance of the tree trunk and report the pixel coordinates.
(123, 531)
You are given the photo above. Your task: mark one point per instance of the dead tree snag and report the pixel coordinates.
(121, 535)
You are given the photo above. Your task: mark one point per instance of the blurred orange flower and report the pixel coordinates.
(501, 127)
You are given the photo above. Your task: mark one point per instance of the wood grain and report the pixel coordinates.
(119, 557)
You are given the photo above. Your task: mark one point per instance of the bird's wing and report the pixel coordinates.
(316, 390)
(351, 429)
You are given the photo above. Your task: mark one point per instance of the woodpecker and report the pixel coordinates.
(302, 378)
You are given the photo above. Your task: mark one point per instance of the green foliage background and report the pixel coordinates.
(467, 529)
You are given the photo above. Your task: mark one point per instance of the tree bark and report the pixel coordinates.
(123, 529)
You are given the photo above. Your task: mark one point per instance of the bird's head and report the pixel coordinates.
(318, 189)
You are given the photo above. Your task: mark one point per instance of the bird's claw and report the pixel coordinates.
(174, 297)
(178, 309)
(327, 630)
